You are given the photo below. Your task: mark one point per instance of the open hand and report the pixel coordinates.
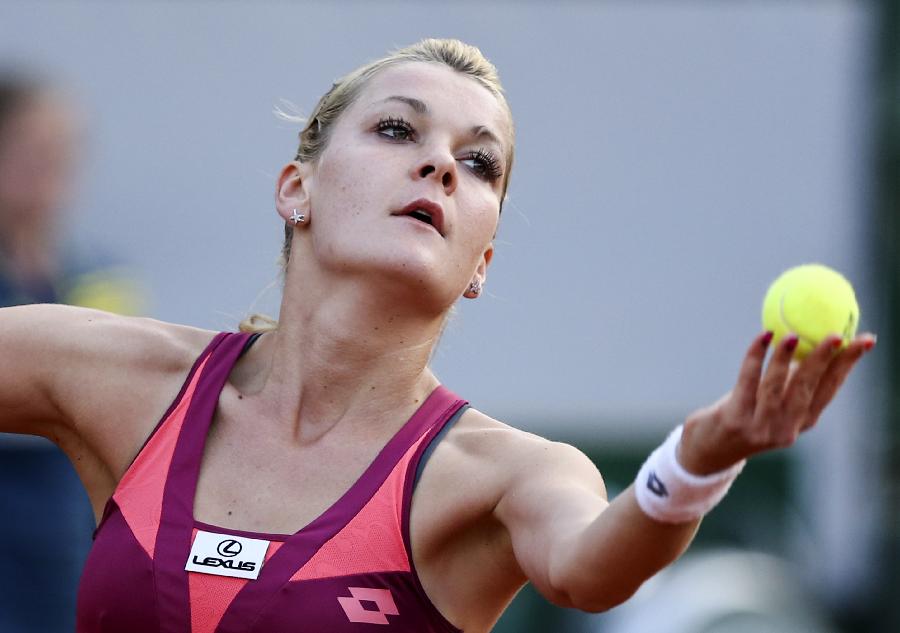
(768, 408)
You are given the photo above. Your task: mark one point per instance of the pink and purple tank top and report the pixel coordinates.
(349, 570)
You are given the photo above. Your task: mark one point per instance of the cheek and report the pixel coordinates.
(344, 185)
(483, 218)
(481, 223)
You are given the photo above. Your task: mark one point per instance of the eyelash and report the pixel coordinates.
(394, 123)
(489, 169)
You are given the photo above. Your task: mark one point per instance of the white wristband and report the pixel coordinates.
(668, 493)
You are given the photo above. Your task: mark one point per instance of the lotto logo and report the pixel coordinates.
(381, 598)
(656, 486)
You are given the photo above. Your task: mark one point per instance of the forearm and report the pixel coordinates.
(607, 562)
(593, 556)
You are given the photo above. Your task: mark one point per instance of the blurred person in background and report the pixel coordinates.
(48, 521)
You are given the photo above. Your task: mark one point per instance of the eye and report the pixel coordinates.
(396, 128)
(485, 164)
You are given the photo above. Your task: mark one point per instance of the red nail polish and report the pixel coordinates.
(791, 342)
(837, 343)
(767, 338)
(869, 344)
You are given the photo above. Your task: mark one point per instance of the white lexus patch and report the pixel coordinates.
(227, 555)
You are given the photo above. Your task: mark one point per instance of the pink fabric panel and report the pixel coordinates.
(373, 540)
(211, 595)
(139, 494)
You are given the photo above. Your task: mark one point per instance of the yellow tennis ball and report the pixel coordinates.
(812, 301)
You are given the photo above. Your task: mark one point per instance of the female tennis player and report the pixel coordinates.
(314, 475)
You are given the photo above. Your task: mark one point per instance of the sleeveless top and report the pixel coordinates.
(349, 570)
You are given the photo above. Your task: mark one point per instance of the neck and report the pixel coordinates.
(342, 354)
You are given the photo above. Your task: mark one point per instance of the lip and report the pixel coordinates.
(431, 208)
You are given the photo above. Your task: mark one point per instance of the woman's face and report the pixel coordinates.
(410, 183)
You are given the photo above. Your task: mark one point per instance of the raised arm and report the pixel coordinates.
(41, 349)
(87, 377)
(26, 372)
(583, 552)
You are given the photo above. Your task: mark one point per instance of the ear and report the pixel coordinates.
(481, 270)
(480, 275)
(293, 189)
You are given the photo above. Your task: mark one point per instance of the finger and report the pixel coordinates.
(836, 374)
(771, 387)
(744, 392)
(803, 383)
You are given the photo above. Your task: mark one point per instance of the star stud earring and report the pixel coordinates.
(297, 218)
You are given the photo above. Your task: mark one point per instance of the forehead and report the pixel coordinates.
(447, 94)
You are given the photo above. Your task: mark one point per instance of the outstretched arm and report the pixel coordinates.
(583, 552)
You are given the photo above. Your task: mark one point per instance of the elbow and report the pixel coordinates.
(573, 588)
(600, 601)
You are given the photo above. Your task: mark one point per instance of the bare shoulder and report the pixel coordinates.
(89, 378)
(488, 461)
(68, 340)
(464, 550)
(72, 330)
(513, 455)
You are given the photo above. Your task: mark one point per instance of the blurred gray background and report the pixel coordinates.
(672, 159)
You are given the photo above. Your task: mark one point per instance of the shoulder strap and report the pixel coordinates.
(432, 443)
(212, 345)
(189, 452)
(173, 542)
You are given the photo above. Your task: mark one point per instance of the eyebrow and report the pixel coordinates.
(478, 131)
(415, 104)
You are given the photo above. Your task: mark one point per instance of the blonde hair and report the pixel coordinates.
(314, 136)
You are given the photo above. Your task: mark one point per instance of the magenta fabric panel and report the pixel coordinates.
(343, 605)
(116, 591)
(173, 542)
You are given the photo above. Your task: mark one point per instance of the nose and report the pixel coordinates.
(441, 166)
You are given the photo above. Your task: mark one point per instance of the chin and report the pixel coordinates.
(420, 279)
(401, 270)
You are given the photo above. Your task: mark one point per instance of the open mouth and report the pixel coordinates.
(426, 211)
(421, 215)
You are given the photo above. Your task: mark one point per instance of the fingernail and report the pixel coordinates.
(767, 338)
(791, 341)
(870, 343)
(837, 343)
